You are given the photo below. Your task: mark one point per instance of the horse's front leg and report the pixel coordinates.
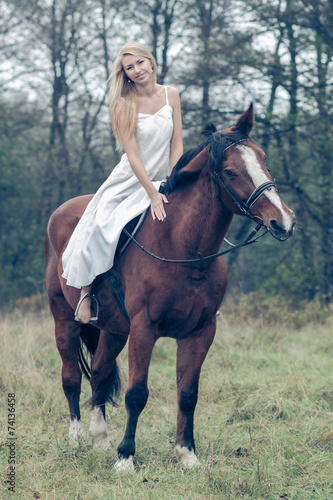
(141, 343)
(191, 354)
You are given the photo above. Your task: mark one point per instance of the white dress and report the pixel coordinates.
(92, 246)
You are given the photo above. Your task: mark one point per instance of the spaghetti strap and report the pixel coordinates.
(166, 95)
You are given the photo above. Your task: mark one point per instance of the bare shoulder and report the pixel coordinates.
(173, 95)
(172, 92)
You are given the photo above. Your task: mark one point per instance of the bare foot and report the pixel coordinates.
(84, 312)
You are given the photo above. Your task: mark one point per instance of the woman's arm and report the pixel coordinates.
(176, 146)
(133, 155)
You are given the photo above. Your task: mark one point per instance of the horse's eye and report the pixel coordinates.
(230, 173)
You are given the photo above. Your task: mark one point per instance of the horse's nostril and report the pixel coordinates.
(276, 227)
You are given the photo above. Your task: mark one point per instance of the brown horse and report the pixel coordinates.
(223, 176)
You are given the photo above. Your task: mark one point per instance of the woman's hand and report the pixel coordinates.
(157, 205)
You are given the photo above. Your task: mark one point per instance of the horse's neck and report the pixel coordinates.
(201, 219)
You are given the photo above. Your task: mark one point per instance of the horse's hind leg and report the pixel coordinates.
(67, 338)
(191, 354)
(104, 383)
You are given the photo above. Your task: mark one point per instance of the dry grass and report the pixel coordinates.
(263, 426)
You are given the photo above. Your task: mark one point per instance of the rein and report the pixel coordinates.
(249, 240)
(244, 207)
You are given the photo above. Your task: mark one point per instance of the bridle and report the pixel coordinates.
(243, 206)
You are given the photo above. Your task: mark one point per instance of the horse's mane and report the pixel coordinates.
(216, 144)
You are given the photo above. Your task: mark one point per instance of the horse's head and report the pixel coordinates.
(244, 182)
(238, 168)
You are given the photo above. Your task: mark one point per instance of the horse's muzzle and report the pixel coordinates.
(282, 232)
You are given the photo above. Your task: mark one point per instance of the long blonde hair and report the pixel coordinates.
(122, 87)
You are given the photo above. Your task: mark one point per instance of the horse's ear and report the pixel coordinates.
(245, 121)
(210, 129)
(196, 164)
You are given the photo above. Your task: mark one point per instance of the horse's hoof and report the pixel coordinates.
(98, 430)
(76, 433)
(186, 457)
(125, 464)
(101, 443)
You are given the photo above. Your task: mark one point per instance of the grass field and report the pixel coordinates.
(263, 424)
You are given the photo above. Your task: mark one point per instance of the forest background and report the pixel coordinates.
(55, 133)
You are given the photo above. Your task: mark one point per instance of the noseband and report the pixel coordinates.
(244, 207)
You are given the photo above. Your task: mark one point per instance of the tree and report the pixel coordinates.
(298, 140)
(22, 145)
(56, 132)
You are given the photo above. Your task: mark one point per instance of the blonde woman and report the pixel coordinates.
(146, 121)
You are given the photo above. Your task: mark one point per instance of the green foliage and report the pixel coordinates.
(21, 237)
(55, 140)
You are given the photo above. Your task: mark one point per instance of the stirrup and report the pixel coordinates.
(93, 319)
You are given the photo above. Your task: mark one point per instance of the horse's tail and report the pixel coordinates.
(89, 338)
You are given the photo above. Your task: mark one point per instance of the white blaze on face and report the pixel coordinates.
(259, 177)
